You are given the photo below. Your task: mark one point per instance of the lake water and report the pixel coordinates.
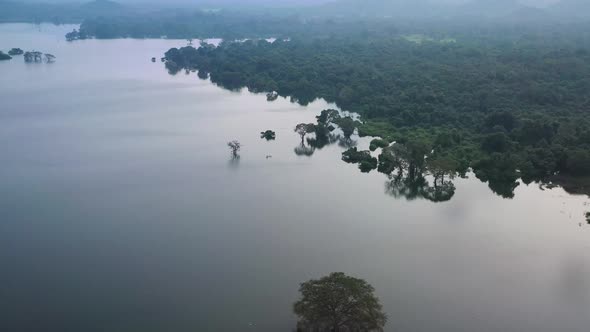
(121, 210)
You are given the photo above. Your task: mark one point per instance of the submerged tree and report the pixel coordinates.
(347, 124)
(407, 166)
(303, 129)
(269, 135)
(364, 159)
(327, 117)
(15, 51)
(338, 303)
(235, 147)
(33, 56)
(49, 58)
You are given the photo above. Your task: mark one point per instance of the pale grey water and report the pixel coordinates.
(120, 211)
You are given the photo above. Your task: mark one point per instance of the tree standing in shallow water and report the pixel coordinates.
(303, 129)
(235, 147)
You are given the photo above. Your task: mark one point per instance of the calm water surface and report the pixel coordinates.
(120, 210)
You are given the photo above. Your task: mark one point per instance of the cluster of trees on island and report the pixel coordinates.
(11, 53)
(505, 104)
(30, 56)
(35, 56)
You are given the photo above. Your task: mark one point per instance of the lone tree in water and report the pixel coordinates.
(338, 303)
(234, 146)
(303, 129)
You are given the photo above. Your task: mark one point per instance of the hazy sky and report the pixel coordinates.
(536, 3)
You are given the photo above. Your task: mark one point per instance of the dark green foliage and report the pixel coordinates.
(500, 173)
(76, 35)
(578, 162)
(327, 117)
(505, 120)
(366, 162)
(347, 124)
(304, 128)
(16, 51)
(269, 135)
(4, 56)
(338, 303)
(496, 142)
(378, 143)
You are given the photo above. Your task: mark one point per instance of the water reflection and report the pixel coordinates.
(411, 186)
(234, 162)
(304, 150)
(414, 169)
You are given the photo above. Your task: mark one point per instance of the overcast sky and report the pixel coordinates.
(536, 3)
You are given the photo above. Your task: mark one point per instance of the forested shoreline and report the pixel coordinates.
(508, 106)
(477, 89)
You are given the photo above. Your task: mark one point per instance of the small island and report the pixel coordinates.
(4, 56)
(268, 135)
(16, 51)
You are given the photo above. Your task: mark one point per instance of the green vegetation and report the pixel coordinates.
(507, 109)
(338, 303)
(303, 129)
(269, 135)
(366, 162)
(504, 97)
(4, 56)
(347, 125)
(378, 143)
(16, 51)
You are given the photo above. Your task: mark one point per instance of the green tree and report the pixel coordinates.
(303, 129)
(347, 124)
(339, 303)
